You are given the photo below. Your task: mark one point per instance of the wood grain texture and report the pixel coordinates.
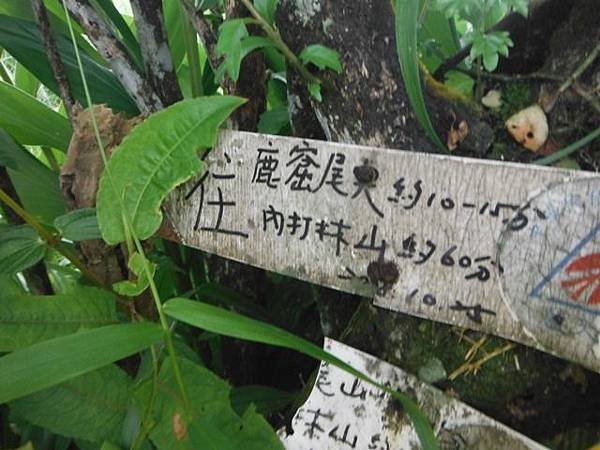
(417, 232)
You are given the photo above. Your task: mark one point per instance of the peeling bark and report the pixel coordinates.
(116, 55)
(155, 49)
(79, 179)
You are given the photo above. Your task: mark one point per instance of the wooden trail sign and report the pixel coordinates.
(343, 412)
(508, 249)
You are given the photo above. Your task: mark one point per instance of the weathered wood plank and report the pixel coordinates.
(343, 412)
(418, 232)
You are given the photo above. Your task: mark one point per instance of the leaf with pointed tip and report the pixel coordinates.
(158, 155)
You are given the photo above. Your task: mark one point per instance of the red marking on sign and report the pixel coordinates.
(584, 272)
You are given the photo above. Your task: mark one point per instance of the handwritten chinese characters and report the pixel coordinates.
(344, 413)
(417, 232)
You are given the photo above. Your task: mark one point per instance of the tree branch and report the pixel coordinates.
(208, 38)
(155, 49)
(116, 55)
(58, 69)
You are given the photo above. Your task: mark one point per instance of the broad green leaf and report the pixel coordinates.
(136, 265)
(28, 319)
(21, 38)
(229, 44)
(406, 45)
(51, 362)
(266, 8)
(247, 46)
(31, 122)
(159, 154)
(25, 80)
(91, 406)
(210, 423)
(267, 400)
(322, 57)
(20, 248)
(78, 225)
(37, 186)
(218, 320)
(10, 286)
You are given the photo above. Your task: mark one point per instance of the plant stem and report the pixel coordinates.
(273, 34)
(163, 321)
(48, 237)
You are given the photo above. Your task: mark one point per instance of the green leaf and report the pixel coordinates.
(406, 44)
(218, 320)
(31, 122)
(28, 319)
(210, 423)
(25, 80)
(158, 154)
(322, 57)
(267, 400)
(247, 45)
(229, 45)
(37, 186)
(267, 9)
(21, 38)
(460, 82)
(78, 225)
(56, 16)
(272, 122)
(51, 362)
(490, 60)
(91, 407)
(438, 30)
(136, 264)
(315, 91)
(20, 248)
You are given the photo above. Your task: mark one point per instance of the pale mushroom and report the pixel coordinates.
(529, 127)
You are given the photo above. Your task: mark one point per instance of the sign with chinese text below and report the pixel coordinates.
(343, 412)
(456, 240)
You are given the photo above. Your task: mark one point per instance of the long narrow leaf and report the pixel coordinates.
(51, 362)
(407, 12)
(21, 38)
(563, 153)
(31, 122)
(221, 321)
